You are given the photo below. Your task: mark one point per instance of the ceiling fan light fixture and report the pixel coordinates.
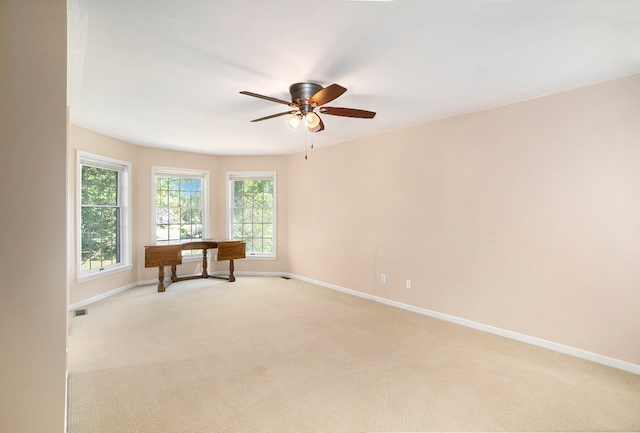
(294, 121)
(312, 120)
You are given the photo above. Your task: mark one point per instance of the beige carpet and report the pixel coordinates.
(277, 355)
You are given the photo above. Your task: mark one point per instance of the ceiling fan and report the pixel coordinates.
(307, 100)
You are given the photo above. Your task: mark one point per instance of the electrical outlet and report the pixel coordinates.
(383, 278)
(408, 284)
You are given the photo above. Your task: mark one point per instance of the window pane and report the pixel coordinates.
(162, 182)
(162, 232)
(100, 233)
(174, 215)
(237, 232)
(257, 215)
(196, 199)
(196, 216)
(162, 198)
(185, 231)
(267, 200)
(174, 232)
(174, 197)
(247, 215)
(99, 186)
(267, 216)
(184, 184)
(238, 193)
(197, 231)
(237, 216)
(185, 198)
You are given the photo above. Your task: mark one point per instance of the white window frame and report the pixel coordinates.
(124, 195)
(182, 172)
(253, 175)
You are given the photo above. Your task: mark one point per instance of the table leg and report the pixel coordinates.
(160, 278)
(174, 275)
(205, 274)
(232, 278)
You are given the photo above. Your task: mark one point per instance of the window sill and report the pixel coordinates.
(257, 257)
(99, 274)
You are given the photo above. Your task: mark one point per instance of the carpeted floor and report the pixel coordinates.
(275, 355)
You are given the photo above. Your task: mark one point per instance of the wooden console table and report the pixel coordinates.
(170, 254)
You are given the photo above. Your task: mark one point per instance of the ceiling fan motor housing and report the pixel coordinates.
(301, 93)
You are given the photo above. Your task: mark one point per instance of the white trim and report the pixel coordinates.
(100, 162)
(557, 347)
(252, 175)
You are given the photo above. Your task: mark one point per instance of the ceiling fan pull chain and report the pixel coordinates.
(305, 145)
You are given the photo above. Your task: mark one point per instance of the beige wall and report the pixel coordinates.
(33, 318)
(524, 217)
(142, 160)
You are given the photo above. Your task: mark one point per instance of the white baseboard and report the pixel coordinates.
(250, 274)
(105, 295)
(557, 347)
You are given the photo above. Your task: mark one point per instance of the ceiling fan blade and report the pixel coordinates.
(275, 115)
(348, 112)
(327, 94)
(269, 98)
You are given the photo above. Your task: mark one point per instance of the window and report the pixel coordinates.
(104, 215)
(180, 206)
(252, 211)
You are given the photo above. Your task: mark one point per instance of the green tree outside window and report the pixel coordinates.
(178, 208)
(100, 218)
(253, 214)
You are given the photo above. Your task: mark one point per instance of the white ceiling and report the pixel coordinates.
(167, 73)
